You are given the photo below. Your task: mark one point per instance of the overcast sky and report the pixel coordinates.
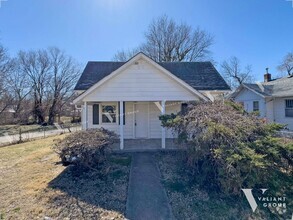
(258, 32)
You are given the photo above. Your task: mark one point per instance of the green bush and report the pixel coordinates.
(85, 148)
(228, 148)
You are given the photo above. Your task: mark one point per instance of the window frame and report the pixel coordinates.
(253, 109)
(287, 101)
(102, 113)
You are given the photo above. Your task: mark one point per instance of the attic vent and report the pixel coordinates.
(136, 63)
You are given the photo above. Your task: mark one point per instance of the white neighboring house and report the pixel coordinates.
(128, 97)
(272, 98)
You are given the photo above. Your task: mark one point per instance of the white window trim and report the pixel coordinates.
(101, 113)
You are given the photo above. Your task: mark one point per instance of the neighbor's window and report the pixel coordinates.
(289, 108)
(109, 113)
(256, 106)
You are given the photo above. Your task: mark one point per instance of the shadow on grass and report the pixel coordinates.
(92, 194)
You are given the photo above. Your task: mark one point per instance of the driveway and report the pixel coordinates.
(147, 198)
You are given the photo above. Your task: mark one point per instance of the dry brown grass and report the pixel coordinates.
(33, 185)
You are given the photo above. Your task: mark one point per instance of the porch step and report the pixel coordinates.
(146, 145)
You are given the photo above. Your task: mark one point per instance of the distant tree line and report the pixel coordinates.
(36, 86)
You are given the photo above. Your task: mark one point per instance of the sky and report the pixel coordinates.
(258, 32)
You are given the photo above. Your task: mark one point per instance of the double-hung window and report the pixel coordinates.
(255, 106)
(109, 114)
(289, 107)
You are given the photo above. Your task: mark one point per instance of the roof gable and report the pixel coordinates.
(132, 61)
(199, 75)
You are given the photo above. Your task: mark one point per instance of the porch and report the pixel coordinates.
(136, 122)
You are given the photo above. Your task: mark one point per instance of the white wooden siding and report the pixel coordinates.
(155, 129)
(272, 108)
(141, 82)
(279, 112)
(248, 97)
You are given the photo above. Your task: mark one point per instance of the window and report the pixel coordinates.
(95, 114)
(289, 108)
(255, 106)
(184, 107)
(109, 113)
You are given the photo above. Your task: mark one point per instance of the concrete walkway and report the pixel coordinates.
(147, 198)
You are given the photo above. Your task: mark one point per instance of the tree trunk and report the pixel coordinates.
(52, 112)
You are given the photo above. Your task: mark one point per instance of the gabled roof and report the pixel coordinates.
(131, 61)
(282, 87)
(199, 75)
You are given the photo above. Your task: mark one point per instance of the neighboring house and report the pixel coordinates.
(7, 116)
(128, 97)
(273, 99)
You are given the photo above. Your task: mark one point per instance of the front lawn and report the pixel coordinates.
(33, 185)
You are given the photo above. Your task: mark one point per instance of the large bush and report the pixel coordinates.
(85, 148)
(227, 148)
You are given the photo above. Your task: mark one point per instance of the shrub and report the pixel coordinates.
(229, 148)
(85, 148)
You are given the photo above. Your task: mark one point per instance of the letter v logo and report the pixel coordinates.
(250, 198)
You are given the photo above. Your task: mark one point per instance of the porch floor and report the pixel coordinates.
(142, 145)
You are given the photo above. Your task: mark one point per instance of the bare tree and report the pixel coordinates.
(5, 66)
(287, 64)
(167, 41)
(64, 75)
(36, 65)
(18, 84)
(124, 55)
(235, 74)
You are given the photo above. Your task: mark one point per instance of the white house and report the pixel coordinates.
(128, 97)
(273, 99)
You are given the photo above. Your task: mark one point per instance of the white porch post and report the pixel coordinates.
(121, 126)
(163, 110)
(85, 116)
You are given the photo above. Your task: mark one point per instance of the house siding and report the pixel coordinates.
(279, 112)
(155, 129)
(270, 110)
(273, 109)
(141, 82)
(248, 97)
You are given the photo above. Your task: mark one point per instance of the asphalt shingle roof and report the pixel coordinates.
(282, 87)
(199, 75)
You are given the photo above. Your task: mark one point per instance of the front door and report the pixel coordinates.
(141, 120)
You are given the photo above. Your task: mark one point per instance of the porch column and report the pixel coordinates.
(121, 126)
(163, 110)
(85, 115)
